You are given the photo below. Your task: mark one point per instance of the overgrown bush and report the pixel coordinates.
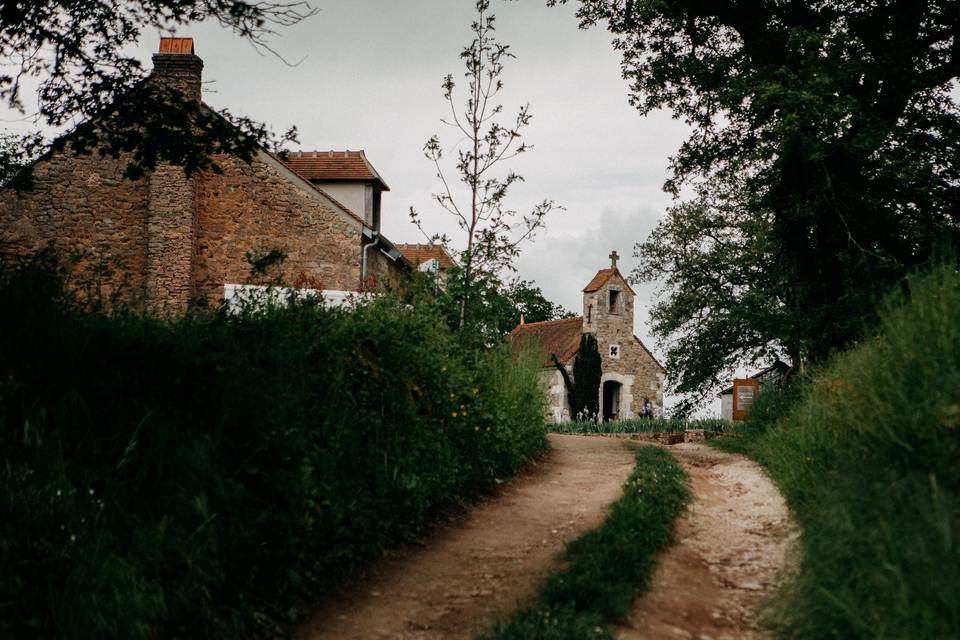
(200, 477)
(868, 456)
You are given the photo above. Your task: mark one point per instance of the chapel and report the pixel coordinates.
(632, 378)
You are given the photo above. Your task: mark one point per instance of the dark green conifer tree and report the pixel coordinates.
(585, 395)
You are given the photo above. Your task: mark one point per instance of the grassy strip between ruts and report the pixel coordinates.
(638, 425)
(606, 568)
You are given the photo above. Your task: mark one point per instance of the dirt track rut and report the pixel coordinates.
(731, 554)
(484, 567)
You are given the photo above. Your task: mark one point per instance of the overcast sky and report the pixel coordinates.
(370, 79)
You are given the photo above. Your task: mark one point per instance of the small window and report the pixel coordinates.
(614, 301)
(614, 351)
(589, 314)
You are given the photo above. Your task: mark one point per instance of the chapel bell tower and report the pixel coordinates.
(608, 302)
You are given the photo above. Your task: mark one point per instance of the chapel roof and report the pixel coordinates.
(334, 166)
(419, 253)
(602, 277)
(560, 337)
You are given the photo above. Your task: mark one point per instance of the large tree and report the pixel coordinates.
(78, 55)
(824, 163)
(474, 192)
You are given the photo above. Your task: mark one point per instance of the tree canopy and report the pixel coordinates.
(824, 164)
(78, 53)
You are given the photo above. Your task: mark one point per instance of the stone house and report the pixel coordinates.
(183, 238)
(632, 378)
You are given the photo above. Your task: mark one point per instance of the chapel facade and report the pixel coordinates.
(632, 378)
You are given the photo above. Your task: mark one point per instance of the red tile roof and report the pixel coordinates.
(560, 337)
(334, 166)
(420, 253)
(601, 279)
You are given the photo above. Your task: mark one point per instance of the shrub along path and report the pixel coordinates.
(481, 569)
(730, 554)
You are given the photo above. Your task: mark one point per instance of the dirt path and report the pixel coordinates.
(486, 566)
(731, 550)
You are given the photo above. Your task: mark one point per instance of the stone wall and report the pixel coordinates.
(81, 203)
(555, 391)
(171, 239)
(257, 206)
(634, 368)
(386, 272)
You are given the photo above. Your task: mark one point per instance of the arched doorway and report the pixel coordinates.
(611, 400)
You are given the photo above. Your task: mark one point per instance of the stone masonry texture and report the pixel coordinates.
(634, 365)
(182, 239)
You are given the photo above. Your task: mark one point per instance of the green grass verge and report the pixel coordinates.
(606, 568)
(639, 425)
(867, 454)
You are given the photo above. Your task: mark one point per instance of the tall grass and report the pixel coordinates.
(606, 568)
(639, 425)
(202, 477)
(868, 456)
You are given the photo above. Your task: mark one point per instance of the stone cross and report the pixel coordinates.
(613, 259)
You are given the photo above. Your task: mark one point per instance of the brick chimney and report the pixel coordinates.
(172, 205)
(177, 66)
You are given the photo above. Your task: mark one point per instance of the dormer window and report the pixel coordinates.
(614, 301)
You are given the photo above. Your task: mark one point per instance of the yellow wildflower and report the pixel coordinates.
(453, 413)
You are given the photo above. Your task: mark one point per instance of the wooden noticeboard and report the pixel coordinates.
(745, 391)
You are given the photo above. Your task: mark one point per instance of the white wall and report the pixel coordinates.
(349, 194)
(726, 406)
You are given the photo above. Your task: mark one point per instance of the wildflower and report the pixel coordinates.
(442, 369)
(453, 413)
(73, 538)
(59, 493)
(451, 396)
(91, 491)
(488, 429)
(476, 391)
(476, 428)
(462, 408)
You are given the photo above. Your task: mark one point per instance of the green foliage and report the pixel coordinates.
(868, 455)
(823, 165)
(496, 306)
(80, 55)
(587, 372)
(640, 425)
(605, 569)
(200, 477)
